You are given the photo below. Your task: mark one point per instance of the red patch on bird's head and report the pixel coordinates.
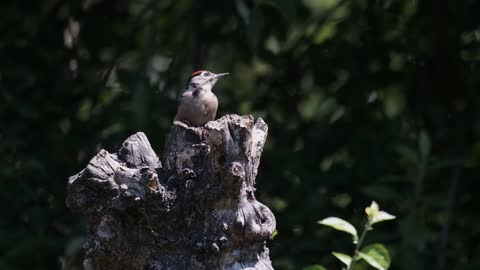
(198, 72)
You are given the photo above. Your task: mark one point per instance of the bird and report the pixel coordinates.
(198, 104)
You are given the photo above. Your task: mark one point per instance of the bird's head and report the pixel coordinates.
(203, 79)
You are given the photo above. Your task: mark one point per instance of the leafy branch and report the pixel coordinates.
(376, 254)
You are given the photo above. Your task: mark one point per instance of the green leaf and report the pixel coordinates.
(344, 258)
(424, 144)
(341, 225)
(324, 33)
(372, 210)
(382, 216)
(275, 233)
(375, 215)
(393, 101)
(376, 255)
(315, 267)
(85, 110)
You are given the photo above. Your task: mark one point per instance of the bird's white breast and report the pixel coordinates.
(197, 108)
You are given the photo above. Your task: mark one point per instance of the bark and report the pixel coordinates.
(197, 211)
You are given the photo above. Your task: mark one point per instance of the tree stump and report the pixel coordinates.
(197, 211)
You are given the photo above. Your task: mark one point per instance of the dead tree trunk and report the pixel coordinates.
(197, 211)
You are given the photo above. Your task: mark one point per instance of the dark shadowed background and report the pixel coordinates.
(365, 100)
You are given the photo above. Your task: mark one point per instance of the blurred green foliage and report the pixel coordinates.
(365, 100)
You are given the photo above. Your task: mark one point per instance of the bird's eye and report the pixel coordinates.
(205, 73)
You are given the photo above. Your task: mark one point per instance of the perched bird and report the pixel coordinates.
(198, 104)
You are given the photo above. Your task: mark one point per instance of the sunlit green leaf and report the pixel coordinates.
(273, 45)
(344, 258)
(375, 215)
(324, 33)
(275, 233)
(376, 255)
(341, 225)
(382, 216)
(372, 210)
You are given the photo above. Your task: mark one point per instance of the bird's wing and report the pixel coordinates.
(183, 105)
(185, 93)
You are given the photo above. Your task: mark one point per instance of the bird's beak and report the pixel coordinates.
(220, 75)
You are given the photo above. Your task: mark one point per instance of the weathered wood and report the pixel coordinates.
(198, 211)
